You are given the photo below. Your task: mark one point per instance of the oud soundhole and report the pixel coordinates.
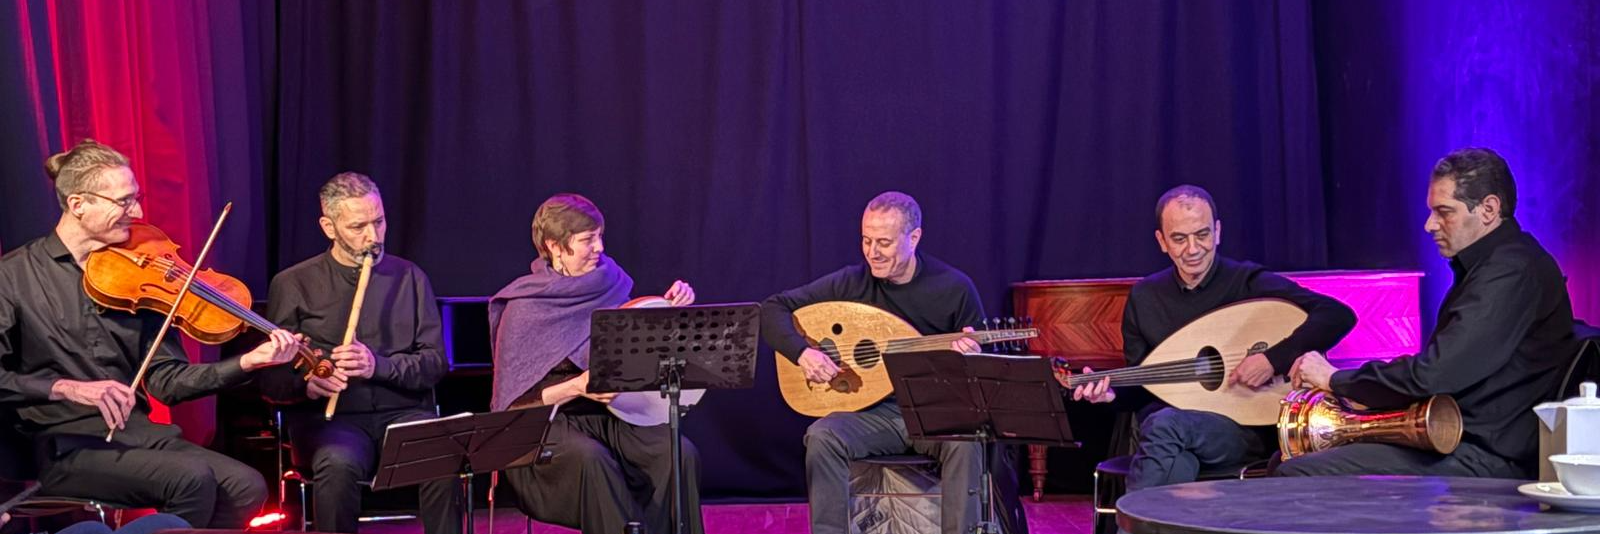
(1208, 368)
(866, 354)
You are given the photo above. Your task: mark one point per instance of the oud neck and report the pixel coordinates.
(938, 341)
(1162, 373)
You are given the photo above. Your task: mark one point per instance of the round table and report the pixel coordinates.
(1328, 505)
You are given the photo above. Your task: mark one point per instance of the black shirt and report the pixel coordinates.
(938, 300)
(53, 331)
(1159, 305)
(399, 324)
(1503, 335)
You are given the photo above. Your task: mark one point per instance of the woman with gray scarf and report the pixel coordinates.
(605, 472)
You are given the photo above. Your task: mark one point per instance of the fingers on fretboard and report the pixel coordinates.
(1018, 346)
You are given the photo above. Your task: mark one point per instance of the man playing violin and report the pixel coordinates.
(64, 360)
(385, 375)
(1175, 445)
(933, 297)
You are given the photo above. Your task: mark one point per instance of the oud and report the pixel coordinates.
(856, 336)
(1190, 369)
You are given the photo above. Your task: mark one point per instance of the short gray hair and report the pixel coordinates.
(910, 212)
(345, 185)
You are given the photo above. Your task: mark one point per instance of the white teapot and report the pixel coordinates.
(1569, 427)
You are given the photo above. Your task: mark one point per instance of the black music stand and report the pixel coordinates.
(668, 350)
(987, 398)
(460, 446)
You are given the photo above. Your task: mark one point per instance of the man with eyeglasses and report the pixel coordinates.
(67, 364)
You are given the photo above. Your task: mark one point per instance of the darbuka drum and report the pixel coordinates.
(1313, 420)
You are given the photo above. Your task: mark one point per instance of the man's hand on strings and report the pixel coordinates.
(1252, 372)
(817, 366)
(966, 345)
(279, 348)
(1096, 392)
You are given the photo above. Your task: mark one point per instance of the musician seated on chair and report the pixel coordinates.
(1175, 445)
(604, 472)
(933, 297)
(69, 364)
(384, 375)
(1503, 337)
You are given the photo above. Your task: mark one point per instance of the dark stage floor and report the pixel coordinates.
(1058, 514)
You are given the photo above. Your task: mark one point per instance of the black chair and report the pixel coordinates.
(1111, 475)
(1585, 365)
(291, 472)
(18, 468)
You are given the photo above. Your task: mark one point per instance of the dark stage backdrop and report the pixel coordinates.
(734, 144)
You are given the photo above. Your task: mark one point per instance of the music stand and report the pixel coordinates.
(668, 350)
(987, 398)
(460, 446)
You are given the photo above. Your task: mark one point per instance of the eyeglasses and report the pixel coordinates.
(124, 203)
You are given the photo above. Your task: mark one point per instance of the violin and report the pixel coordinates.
(146, 273)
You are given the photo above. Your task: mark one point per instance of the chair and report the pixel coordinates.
(545, 456)
(288, 472)
(1585, 365)
(1110, 476)
(894, 494)
(18, 468)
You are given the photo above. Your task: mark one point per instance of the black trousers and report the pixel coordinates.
(149, 465)
(606, 473)
(341, 453)
(1468, 460)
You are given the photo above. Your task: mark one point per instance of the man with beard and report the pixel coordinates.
(385, 376)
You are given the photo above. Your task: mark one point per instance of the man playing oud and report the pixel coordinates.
(934, 298)
(1175, 444)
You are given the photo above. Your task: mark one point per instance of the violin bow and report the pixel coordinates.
(172, 313)
(355, 317)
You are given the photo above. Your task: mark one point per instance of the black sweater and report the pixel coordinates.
(938, 300)
(399, 323)
(1159, 305)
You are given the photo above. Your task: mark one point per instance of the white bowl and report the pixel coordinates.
(1579, 473)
